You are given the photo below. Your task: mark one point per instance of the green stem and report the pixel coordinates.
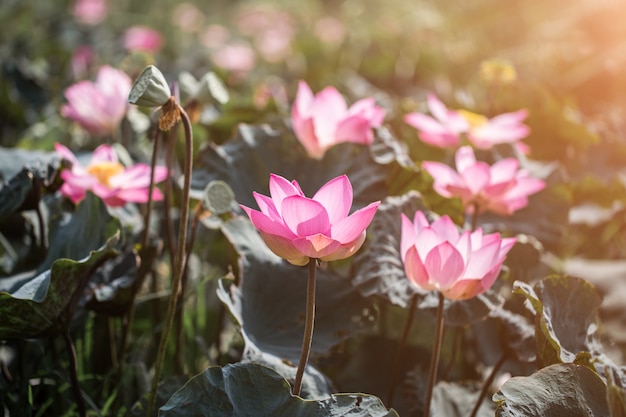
(434, 363)
(308, 328)
(178, 264)
(80, 403)
(399, 352)
(488, 383)
(147, 219)
(475, 217)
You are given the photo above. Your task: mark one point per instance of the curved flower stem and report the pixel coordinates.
(434, 363)
(147, 219)
(80, 403)
(308, 328)
(488, 383)
(475, 217)
(396, 362)
(178, 264)
(178, 320)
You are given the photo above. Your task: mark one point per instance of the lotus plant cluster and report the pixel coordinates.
(455, 263)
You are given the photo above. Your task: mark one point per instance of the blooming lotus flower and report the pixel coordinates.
(501, 188)
(484, 133)
(99, 107)
(299, 228)
(439, 257)
(107, 178)
(142, 39)
(444, 129)
(324, 120)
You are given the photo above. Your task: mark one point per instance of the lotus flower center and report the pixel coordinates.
(474, 119)
(103, 171)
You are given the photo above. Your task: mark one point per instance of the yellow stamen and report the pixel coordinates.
(474, 119)
(103, 171)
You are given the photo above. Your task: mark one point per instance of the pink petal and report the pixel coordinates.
(464, 158)
(316, 246)
(482, 260)
(305, 132)
(354, 129)
(367, 109)
(444, 265)
(407, 236)
(345, 250)
(446, 229)
(305, 217)
(266, 205)
(476, 177)
(104, 153)
(504, 170)
(464, 289)
(65, 153)
(415, 270)
(350, 228)
(267, 225)
(336, 197)
(303, 102)
(443, 176)
(281, 188)
(284, 248)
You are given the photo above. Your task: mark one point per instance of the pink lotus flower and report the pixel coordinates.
(99, 107)
(324, 120)
(107, 178)
(484, 133)
(439, 257)
(501, 188)
(142, 39)
(298, 228)
(444, 129)
(90, 12)
(235, 56)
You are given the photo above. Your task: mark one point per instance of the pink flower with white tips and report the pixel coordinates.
(99, 107)
(323, 120)
(501, 188)
(439, 257)
(108, 179)
(298, 228)
(444, 129)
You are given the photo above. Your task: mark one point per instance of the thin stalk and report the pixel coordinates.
(434, 362)
(178, 353)
(475, 217)
(179, 261)
(308, 328)
(167, 193)
(42, 230)
(80, 403)
(456, 344)
(488, 383)
(400, 351)
(130, 314)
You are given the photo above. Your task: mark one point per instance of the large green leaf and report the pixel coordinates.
(246, 389)
(25, 188)
(43, 305)
(615, 394)
(554, 391)
(246, 161)
(269, 304)
(566, 316)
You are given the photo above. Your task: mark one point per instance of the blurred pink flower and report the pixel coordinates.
(99, 107)
(107, 178)
(235, 56)
(82, 59)
(439, 257)
(142, 39)
(484, 133)
(214, 36)
(324, 120)
(271, 30)
(188, 17)
(90, 12)
(501, 188)
(444, 129)
(298, 228)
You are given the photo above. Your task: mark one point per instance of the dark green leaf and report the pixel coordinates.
(43, 306)
(240, 390)
(615, 394)
(454, 400)
(518, 334)
(554, 391)
(566, 310)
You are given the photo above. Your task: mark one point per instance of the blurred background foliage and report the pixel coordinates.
(563, 61)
